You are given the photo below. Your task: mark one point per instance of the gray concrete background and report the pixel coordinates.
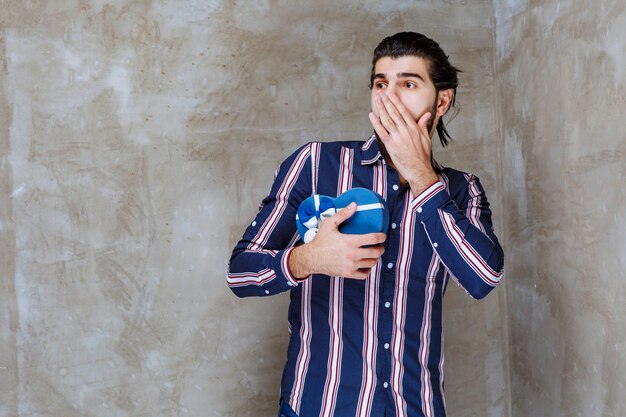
(560, 91)
(137, 139)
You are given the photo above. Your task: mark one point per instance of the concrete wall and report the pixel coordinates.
(561, 89)
(136, 140)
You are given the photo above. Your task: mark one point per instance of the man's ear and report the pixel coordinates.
(444, 98)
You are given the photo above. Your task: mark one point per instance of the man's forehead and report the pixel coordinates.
(402, 67)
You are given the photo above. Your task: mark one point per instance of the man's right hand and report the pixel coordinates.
(336, 254)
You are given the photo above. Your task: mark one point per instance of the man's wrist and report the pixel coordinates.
(300, 262)
(421, 182)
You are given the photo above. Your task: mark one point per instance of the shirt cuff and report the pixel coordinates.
(429, 200)
(284, 267)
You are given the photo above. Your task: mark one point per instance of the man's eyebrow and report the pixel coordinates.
(410, 75)
(401, 75)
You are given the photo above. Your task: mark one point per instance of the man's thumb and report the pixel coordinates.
(344, 214)
(422, 122)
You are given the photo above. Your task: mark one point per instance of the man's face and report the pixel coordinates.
(408, 78)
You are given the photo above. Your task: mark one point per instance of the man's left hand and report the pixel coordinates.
(408, 142)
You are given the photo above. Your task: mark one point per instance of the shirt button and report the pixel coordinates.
(267, 291)
(435, 244)
(389, 265)
(393, 225)
(387, 304)
(395, 187)
(419, 209)
(385, 385)
(254, 223)
(386, 345)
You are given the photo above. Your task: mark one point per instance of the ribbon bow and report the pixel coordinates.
(313, 212)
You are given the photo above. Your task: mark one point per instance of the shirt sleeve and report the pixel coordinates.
(259, 262)
(463, 237)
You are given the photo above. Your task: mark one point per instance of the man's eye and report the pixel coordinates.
(411, 84)
(380, 85)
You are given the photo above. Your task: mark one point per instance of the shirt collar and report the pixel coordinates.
(370, 152)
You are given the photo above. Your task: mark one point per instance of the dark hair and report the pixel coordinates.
(441, 72)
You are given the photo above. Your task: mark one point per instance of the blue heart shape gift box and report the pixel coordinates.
(371, 216)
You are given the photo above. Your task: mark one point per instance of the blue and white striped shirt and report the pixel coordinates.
(373, 347)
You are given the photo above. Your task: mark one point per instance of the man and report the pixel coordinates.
(366, 310)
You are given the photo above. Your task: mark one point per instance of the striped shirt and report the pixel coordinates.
(369, 347)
